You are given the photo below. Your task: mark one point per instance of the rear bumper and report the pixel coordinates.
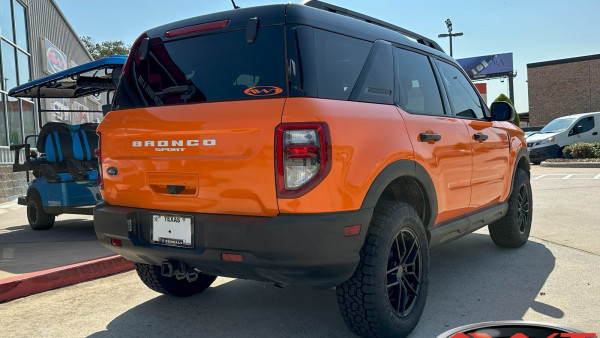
(305, 250)
(540, 154)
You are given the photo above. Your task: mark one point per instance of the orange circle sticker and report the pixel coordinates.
(263, 91)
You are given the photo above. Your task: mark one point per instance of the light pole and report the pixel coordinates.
(450, 34)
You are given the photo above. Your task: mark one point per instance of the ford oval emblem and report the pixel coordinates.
(112, 171)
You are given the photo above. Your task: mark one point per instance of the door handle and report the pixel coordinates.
(595, 133)
(424, 137)
(480, 137)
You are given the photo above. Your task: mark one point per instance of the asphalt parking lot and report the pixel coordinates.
(554, 278)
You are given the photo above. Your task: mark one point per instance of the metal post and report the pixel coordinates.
(450, 34)
(511, 92)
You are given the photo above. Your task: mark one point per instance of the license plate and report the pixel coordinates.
(173, 230)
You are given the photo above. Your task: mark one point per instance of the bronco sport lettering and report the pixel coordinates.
(376, 148)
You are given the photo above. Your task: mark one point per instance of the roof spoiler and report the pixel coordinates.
(346, 12)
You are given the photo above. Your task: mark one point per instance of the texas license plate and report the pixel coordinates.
(173, 230)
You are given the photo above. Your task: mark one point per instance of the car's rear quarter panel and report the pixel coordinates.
(365, 138)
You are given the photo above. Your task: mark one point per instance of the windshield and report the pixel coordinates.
(208, 68)
(556, 126)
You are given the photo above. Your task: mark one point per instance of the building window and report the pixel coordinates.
(17, 118)
(3, 129)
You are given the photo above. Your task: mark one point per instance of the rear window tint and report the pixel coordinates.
(419, 91)
(339, 60)
(209, 68)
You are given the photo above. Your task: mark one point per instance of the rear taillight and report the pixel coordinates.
(303, 153)
(98, 155)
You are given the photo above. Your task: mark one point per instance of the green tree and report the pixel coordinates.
(505, 98)
(104, 49)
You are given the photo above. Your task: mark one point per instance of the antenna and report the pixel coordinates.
(234, 5)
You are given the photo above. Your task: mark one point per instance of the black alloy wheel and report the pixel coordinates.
(404, 272)
(523, 209)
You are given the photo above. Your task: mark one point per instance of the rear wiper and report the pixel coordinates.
(189, 90)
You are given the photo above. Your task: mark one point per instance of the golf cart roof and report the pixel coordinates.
(87, 79)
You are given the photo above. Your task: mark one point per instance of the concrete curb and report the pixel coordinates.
(570, 164)
(40, 281)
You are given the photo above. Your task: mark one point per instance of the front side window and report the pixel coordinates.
(418, 90)
(583, 125)
(462, 96)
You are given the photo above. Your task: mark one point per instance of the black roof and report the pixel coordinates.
(562, 61)
(298, 14)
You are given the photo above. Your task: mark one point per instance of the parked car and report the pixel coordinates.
(561, 132)
(304, 146)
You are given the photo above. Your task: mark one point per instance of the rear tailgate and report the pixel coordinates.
(208, 158)
(194, 117)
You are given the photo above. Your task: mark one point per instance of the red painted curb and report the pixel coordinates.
(40, 281)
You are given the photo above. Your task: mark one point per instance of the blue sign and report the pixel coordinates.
(481, 67)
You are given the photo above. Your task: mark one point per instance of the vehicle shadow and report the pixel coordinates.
(471, 280)
(24, 250)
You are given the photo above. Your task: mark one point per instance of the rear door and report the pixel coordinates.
(489, 142)
(194, 122)
(440, 141)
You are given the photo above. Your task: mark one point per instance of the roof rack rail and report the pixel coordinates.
(346, 12)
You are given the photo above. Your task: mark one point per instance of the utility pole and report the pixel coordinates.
(450, 34)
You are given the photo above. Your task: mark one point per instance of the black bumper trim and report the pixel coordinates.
(289, 249)
(543, 153)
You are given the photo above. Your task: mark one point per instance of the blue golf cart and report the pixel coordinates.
(65, 167)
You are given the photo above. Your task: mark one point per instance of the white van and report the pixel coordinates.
(563, 131)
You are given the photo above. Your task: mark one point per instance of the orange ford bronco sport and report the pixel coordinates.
(297, 146)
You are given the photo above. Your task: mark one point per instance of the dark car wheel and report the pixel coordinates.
(36, 216)
(386, 295)
(512, 231)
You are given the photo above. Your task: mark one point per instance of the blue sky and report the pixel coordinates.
(534, 30)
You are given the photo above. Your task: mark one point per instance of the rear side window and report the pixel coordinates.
(418, 89)
(209, 68)
(339, 61)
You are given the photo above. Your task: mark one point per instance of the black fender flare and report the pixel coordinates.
(522, 154)
(398, 169)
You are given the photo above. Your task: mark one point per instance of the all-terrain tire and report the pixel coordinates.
(512, 231)
(36, 216)
(151, 276)
(386, 295)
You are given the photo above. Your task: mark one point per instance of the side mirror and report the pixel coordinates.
(503, 111)
(571, 132)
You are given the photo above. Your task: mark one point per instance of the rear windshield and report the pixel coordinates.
(209, 68)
